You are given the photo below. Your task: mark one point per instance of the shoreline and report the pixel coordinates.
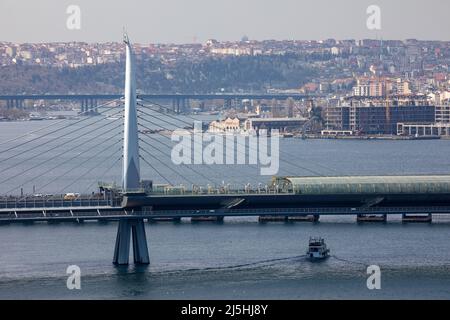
(377, 137)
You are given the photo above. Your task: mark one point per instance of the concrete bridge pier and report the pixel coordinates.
(185, 106)
(85, 106)
(14, 103)
(177, 110)
(134, 228)
(89, 105)
(174, 105)
(19, 104)
(93, 105)
(96, 106)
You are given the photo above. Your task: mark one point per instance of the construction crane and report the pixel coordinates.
(388, 110)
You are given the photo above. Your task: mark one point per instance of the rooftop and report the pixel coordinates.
(366, 184)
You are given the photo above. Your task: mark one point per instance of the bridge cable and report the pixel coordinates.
(317, 164)
(170, 147)
(60, 164)
(104, 173)
(59, 145)
(54, 131)
(167, 166)
(154, 123)
(54, 123)
(55, 167)
(169, 123)
(296, 166)
(281, 151)
(156, 170)
(183, 164)
(56, 138)
(286, 161)
(92, 168)
(165, 128)
(78, 164)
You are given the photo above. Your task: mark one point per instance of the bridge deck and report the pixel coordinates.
(117, 213)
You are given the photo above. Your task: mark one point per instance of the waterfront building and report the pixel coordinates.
(337, 118)
(378, 116)
(228, 125)
(423, 129)
(443, 113)
(281, 124)
(383, 119)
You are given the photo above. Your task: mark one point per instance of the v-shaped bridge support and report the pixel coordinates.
(136, 229)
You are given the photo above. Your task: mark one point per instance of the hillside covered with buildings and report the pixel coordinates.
(355, 87)
(328, 67)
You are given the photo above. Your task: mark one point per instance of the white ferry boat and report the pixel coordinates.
(317, 249)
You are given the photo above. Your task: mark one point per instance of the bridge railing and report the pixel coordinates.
(200, 190)
(34, 202)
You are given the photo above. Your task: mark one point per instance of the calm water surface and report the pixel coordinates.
(204, 260)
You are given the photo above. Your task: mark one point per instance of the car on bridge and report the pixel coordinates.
(71, 196)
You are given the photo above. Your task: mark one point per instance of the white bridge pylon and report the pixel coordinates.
(131, 170)
(131, 173)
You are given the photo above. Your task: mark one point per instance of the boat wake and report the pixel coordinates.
(349, 261)
(237, 266)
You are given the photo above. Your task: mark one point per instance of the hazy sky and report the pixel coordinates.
(183, 21)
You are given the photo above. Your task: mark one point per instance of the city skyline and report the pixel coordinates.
(178, 22)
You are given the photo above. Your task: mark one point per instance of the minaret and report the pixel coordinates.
(131, 169)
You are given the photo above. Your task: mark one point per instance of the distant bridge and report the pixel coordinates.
(179, 102)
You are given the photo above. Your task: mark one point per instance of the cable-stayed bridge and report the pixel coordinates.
(132, 131)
